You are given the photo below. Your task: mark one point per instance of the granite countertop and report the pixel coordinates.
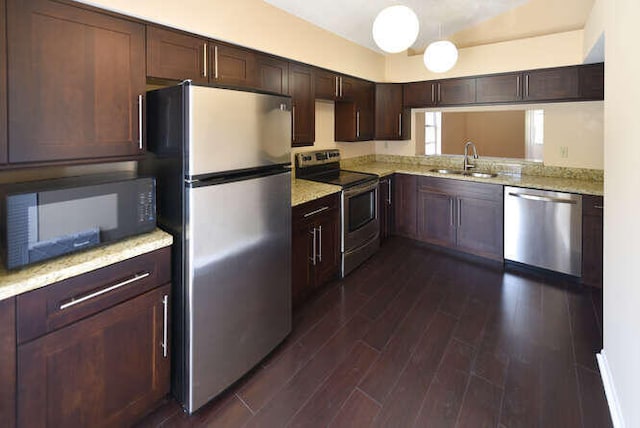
(42, 274)
(560, 184)
(304, 191)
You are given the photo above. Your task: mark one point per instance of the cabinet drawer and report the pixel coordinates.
(492, 192)
(50, 308)
(310, 210)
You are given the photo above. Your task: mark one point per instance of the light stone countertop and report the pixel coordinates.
(304, 191)
(42, 274)
(571, 185)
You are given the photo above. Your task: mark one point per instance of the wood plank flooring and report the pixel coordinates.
(416, 337)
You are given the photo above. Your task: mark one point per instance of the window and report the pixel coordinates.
(534, 134)
(432, 133)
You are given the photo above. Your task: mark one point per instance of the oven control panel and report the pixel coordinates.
(317, 157)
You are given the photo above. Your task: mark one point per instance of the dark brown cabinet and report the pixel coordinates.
(8, 363)
(385, 207)
(391, 118)
(315, 245)
(273, 74)
(405, 193)
(327, 85)
(461, 215)
(76, 82)
(592, 238)
(303, 116)
(233, 66)
(176, 56)
(93, 350)
(354, 119)
(3, 85)
(591, 79)
(551, 84)
(502, 88)
(419, 94)
(456, 91)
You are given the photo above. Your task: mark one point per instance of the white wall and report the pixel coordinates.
(622, 206)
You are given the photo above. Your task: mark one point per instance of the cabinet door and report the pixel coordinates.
(3, 85)
(480, 226)
(365, 127)
(591, 81)
(106, 370)
(176, 56)
(327, 247)
(232, 66)
(302, 268)
(327, 85)
(405, 205)
(8, 362)
(592, 210)
(385, 209)
(456, 92)
(303, 116)
(436, 218)
(273, 74)
(76, 80)
(503, 88)
(551, 84)
(388, 112)
(419, 94)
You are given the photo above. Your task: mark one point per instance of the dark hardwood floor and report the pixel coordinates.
(415, 337)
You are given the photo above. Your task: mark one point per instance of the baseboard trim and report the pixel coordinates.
(610, 391)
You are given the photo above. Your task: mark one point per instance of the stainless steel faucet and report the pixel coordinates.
(468, 165)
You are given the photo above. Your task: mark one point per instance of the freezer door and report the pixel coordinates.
(229, 130)
(238, 278)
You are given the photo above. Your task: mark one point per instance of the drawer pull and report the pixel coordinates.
(75, 301)
(598, 207)
(319, 210)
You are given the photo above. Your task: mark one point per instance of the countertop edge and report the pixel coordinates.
(47, 273)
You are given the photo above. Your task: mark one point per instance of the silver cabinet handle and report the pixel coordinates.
(337, 85)
(314, 212)
(204, 61)
(75, 301)
(313, 257)
(140, 124)
(215, 62)
(358, 124)
(542, 198)
(389, 184)
(433, 93)
(451, 211)
(165, 326)
(320, 244)
(526, 85)
(340, 86)
(598, 207)
(518, 86)
(400, 125)
(459, 212)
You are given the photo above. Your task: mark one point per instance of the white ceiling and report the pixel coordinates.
(466, 22)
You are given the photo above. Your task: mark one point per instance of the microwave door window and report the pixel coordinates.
(361, 210)
(82, 216)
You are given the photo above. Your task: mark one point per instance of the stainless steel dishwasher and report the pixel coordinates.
(543, 229)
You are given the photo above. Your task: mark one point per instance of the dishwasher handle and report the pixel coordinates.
(543, 198)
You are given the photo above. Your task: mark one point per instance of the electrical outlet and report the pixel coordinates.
(564, 152)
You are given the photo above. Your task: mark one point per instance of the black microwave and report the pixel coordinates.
(46, 219)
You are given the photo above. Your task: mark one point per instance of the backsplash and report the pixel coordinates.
(494, 165)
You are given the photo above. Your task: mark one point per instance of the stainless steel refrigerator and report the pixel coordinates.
(222, 162)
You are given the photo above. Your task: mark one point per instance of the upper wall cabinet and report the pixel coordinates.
(76, 82)
(354, 117)
(501, 88)
(551, 84)
(456, 91)
(591, 78)
(391, 119)
(179, 56)
(327, 85)
(420, 94)
(3, 85)
(302, 90)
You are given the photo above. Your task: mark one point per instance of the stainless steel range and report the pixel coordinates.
(360, 224)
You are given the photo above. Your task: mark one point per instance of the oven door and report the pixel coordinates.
(359, 215)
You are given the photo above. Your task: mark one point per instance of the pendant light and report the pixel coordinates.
(395, 28)
(440, 56)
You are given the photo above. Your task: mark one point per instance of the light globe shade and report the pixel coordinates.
(440, 56)
(395, 29)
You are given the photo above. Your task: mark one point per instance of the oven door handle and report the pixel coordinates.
(367, 187)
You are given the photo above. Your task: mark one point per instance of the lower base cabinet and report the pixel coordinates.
(315, 245)
(592, 238)
(385, 207)
(103, 361)
(8, 363)
(461, 215)
(405, 205)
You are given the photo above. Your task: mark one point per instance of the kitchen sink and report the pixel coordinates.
(467, 173)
